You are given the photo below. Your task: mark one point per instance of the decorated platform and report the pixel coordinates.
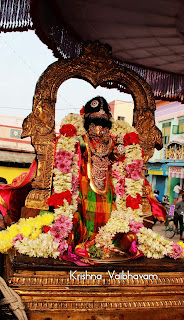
(52, 289)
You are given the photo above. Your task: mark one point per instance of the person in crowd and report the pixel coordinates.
(176, 190)
(156, 194)
(13, 195)
(3, 181)
(158, 210)
(178, 215)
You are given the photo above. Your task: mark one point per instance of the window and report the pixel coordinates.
(121, 118)
(175, 129)
(181, 125)
(166, 128)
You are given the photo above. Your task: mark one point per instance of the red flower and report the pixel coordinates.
(133, 202)
(57, 199)
(68, 130)
(46, 229)
(82, 111)
(139, 198)
(128, 201)
(130, 138)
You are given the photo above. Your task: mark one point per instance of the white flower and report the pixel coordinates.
(132, 152)
(77, 121)
(134, 186)
(43, 246)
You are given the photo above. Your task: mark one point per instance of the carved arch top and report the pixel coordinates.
(96, 66)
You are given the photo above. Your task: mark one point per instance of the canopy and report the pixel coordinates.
(147, 36)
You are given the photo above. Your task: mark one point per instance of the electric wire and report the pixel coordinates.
(24, 62)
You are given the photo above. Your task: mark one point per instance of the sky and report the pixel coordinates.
(23, 58)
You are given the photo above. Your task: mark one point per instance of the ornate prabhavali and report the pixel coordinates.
(96, 66)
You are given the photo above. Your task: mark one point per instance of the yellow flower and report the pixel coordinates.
(12, 231)
(6, 238)
(22, 221)
(26, 230)
(34, 235)
(47, 219)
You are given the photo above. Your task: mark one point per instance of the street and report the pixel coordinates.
(160, 228)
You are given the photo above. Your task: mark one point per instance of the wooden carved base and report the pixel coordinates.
(36, 199)
(52, 289)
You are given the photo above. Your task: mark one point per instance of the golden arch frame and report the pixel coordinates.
(96, 65)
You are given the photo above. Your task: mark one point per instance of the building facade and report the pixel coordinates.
(16, 154)
(166, 167)
(122, 110)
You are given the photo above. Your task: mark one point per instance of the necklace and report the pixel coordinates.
(103, 150)
(98, 165)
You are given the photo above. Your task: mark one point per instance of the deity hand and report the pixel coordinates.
(119, 150)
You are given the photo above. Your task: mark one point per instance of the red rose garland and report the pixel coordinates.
(57, 199)
(130, 138)
(68, 130)
(133, 202)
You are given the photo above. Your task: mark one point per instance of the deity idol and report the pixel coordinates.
(99, 151)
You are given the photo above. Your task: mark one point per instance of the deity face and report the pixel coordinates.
(97, 111)
(98, 132)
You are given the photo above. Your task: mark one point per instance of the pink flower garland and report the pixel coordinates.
(75, 183)
(120, 187)
(177, 251)
(60, 230)
(135, 226)
(18, 237)
(63, 161)
(134, 170)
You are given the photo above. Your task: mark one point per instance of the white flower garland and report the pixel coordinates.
(63, 181)
(150, 243)
(120, 218)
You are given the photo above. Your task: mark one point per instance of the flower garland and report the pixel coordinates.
(45, 236)
(128, 182)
